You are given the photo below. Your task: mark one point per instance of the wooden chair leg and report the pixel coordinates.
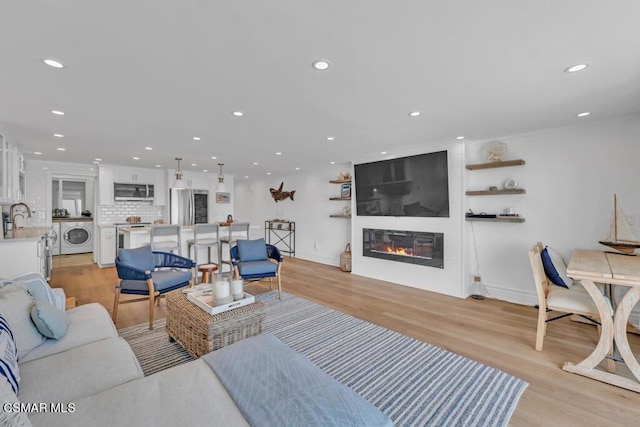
(279, 288)
(542, 328)
(116, 301)
(151, 304)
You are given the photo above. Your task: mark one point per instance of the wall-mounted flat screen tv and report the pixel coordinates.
(416, 186)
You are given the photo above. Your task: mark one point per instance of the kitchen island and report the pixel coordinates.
(25, 250)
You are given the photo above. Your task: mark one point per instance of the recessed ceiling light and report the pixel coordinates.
(583, 114)
(332, 163)
(136, 158)
(196, 138)
(98, 159)
(576, 68)
(255, 163)
(459, 137)
(96, 163)
(205, 170)
(415, 113)
(193, 164)
(246, 176)
(278, 154)
(158, 166)
(268, 173)
(214, 157)
(53, 63)
(58, 135)
(238, 113)
(61, 149)
(57, 112)
(148, 148)
(383, 152)
(330, 138)
(320, 64)
(297, 169)
(45, 168)
(37, 153)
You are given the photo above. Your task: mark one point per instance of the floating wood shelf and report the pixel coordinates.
(339, 216)
(340, 198)
(495, 192)
(340, 181)
(492, 165)
(507, 219)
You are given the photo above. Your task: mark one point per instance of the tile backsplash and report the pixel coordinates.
(120, 211)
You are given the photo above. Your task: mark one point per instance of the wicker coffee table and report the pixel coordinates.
(199, 332)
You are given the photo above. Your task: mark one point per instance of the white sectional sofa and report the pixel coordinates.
(89, 376)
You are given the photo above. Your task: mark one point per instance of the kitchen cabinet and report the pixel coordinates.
(129, 175)
(107, 247)
(108, 174)
(12, 183)
(198, 180)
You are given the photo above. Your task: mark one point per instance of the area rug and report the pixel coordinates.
(414, 383)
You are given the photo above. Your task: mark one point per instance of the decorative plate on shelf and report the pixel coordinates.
(494, 151)
(510, 184)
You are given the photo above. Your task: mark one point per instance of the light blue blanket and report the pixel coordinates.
(276, 386)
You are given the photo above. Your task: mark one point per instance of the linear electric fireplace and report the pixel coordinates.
(413, 247)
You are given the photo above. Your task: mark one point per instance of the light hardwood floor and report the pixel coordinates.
(496, 333)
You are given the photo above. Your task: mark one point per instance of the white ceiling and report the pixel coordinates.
(149, 73)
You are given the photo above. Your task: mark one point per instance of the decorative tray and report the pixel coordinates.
(203, 298)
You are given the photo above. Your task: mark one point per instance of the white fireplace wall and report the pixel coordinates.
(447, 280)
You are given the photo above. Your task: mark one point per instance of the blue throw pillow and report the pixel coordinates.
(8, 356)
(555, 268)
(252, 250)
(141, 258)
(50, 321)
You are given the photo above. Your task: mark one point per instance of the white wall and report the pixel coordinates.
(318, 237)
(570, 177)
(447, 280)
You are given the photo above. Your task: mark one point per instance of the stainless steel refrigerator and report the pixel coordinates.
(188, 206)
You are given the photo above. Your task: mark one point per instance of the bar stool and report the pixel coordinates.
(170, 238)
(204, 236)
(207, 271)
(236, 231)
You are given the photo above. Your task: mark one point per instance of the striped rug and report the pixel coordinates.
(414, 383)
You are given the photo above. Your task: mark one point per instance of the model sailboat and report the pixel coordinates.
(621, 237)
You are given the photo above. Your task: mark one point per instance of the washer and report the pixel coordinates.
(76, 237)
(55, 241)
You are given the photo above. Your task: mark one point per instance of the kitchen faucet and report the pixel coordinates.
(13, 215)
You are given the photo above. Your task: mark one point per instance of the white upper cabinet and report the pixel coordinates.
(110, 174)
(123, 174)
(11, 173)
(198, 180)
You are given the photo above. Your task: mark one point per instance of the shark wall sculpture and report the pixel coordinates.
(281, 195)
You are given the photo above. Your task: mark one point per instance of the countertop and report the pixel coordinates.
(77, 219)
(25, 233)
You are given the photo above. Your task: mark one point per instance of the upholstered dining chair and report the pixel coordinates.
(569, 300)
(255, 260)
(150, 274)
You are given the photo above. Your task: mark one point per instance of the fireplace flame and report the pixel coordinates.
(397, 251)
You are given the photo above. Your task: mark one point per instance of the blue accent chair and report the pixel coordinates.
(145, 272)
(255, 260)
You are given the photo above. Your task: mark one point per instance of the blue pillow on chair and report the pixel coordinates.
(555, 268)
(141, 258)
(252, 250)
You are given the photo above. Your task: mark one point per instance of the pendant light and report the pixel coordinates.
(178, 182)
(220, 187)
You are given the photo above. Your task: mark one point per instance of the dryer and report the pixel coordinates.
(76, 237)
(55, 238)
